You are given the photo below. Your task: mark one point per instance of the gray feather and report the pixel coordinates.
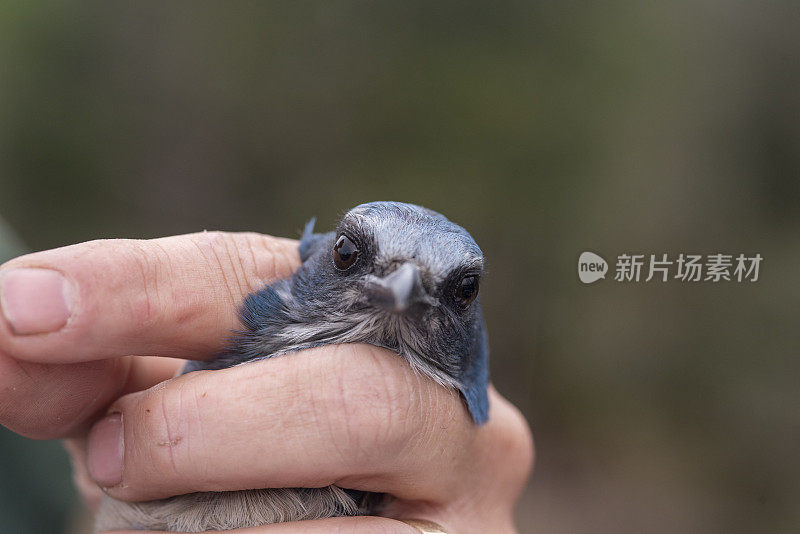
(225, 510)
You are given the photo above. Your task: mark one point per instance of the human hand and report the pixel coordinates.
(351, 415)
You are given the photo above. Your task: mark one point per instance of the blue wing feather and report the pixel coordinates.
(475, 382)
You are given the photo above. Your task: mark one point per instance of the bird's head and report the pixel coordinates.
(405, 260)
(404, 277)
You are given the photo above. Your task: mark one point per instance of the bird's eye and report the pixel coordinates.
(466, 290)
(345, 253)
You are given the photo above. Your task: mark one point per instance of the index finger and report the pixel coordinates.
(175, 296)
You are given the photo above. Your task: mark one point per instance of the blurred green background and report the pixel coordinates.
(545, 128)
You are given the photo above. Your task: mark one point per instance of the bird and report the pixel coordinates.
(393, 275)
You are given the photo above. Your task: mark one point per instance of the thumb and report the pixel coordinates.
(175, 296)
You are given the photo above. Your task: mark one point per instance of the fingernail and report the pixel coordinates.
(105, 450)
(35, 301)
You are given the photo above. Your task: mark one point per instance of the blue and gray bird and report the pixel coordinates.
(393, 275)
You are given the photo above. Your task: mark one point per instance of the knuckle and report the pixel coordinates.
(445, 428)
(222, 256)
(165, 416)
(158, 298)
(147, 268)
(370, 411)
(240, 263)
(267, 257)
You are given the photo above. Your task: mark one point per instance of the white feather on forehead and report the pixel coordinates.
(408, 232)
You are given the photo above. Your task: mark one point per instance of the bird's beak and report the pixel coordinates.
(398, 290)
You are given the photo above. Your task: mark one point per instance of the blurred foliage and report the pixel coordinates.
(546, 129)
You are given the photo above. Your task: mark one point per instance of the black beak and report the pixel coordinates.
(398, 290)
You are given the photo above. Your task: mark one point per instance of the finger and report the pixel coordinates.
(352, 415)
(45, 401)
(143, 372)
(354, 525)
(174, 296)
(506, 450)
(500, 463)
(90, 493)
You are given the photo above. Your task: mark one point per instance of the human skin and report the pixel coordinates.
(92, 336)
